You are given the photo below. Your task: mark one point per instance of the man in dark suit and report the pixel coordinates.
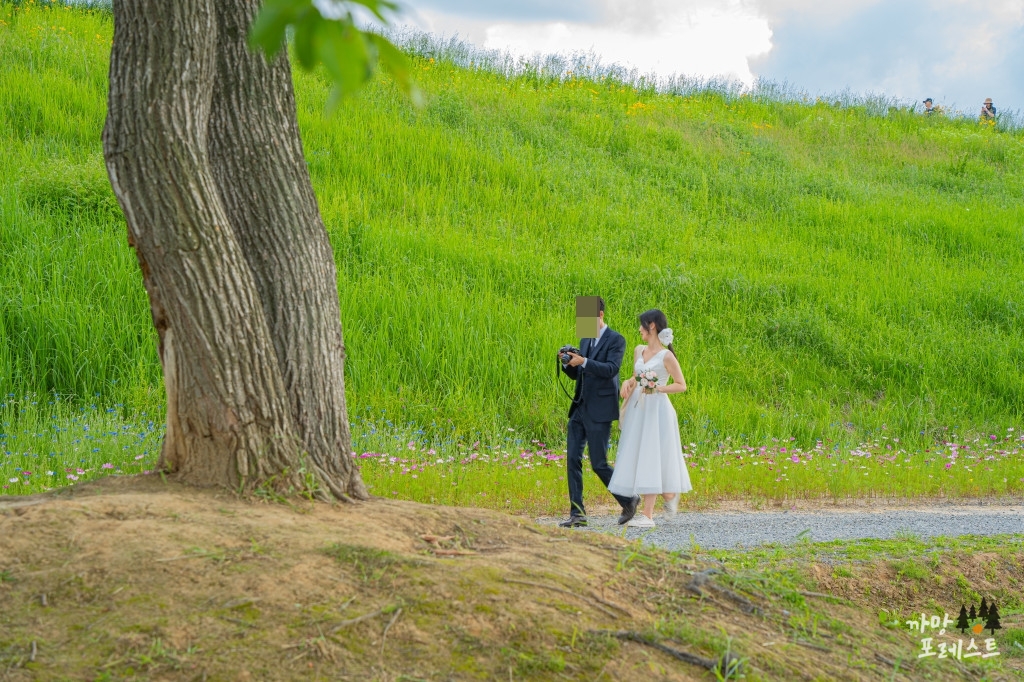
(594, 407)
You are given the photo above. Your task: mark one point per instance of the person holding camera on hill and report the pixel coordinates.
(988, 110)
(595, 404)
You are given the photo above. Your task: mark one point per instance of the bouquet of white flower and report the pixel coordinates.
(647, 380)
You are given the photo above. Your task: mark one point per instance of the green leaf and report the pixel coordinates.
(394, 62)
(307, 28)
(376, 6)
(268, 30)
(343, 50)
(349, 55)
(333, 100)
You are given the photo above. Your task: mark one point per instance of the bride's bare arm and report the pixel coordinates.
(676, 372)
(629, 384)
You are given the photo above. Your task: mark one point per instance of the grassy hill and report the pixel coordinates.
(830, 272)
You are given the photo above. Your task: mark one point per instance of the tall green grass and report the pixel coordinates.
(827, 272)
(830, 272)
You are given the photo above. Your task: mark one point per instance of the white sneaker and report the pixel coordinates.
(641, 521)
(672, 506)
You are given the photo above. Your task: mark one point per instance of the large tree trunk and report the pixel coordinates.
(230, 406)
(257, 159)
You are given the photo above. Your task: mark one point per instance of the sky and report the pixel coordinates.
(957, 52)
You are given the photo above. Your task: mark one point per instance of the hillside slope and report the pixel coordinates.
(828, 273)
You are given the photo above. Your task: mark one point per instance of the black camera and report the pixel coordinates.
(563, 353)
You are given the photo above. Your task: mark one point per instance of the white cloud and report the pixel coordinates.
(981, 37)
(831, 13)
(444, 24)
(957, 51)
(706, 39)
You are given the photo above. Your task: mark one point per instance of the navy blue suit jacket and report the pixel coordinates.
(597, 384)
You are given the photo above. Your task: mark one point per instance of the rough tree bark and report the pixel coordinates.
(204, 157)
(257, 159)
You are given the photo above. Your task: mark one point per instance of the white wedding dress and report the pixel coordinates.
(649, 458)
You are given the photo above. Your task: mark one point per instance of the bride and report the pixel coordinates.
(649, 459)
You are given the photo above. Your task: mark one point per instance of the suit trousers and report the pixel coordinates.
(595, 436)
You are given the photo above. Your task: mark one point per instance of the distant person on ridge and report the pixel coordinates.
(928, 109)
(988, 111)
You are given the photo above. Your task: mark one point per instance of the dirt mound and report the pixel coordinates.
(136, 578)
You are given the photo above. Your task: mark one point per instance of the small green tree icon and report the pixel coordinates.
(962, 622)
(993, 620)
(983, 613)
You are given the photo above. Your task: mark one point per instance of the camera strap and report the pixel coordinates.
(558, 380)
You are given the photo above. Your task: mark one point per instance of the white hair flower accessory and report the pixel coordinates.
(665, 336)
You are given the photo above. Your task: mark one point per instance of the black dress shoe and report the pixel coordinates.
(574, 521)
(629, 511)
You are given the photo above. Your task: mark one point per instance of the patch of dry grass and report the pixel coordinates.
(134, 578)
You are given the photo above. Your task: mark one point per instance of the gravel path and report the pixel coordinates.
(732, 529)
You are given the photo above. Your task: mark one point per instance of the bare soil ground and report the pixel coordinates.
(137, 578)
